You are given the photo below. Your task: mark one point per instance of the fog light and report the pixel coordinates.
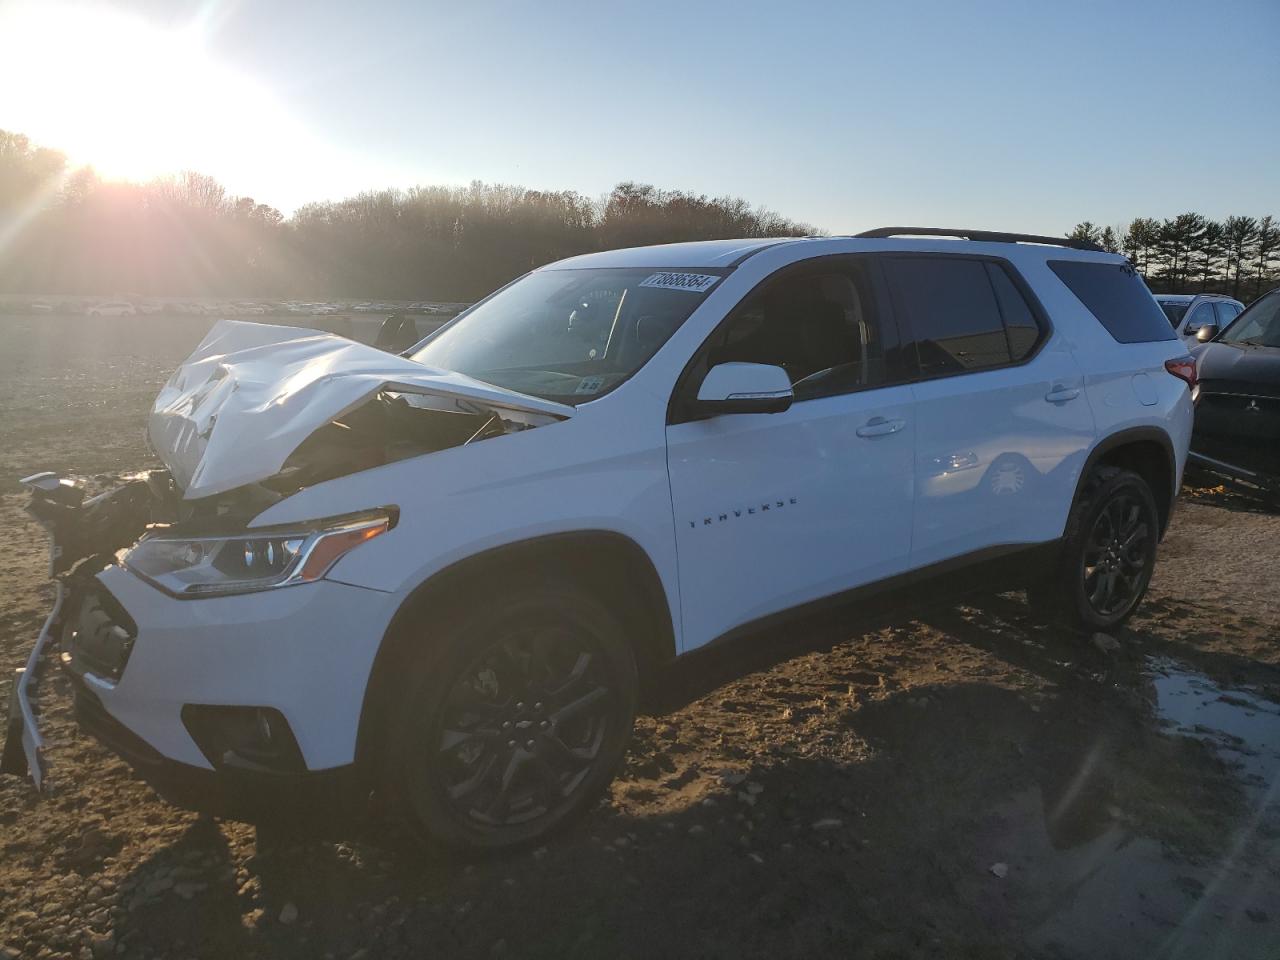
(245, 738)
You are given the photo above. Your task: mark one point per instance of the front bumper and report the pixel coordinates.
(142, 662)
(305, 651)
(235, 794)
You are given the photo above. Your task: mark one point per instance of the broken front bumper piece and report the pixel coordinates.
(23, 746)
(78, 529)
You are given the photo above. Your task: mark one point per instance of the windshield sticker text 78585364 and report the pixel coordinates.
(693, 282)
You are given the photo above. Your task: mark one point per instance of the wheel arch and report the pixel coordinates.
(608, 563)
(1148, 452)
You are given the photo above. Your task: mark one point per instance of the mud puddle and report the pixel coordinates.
(1085, 879)
(1243, 727)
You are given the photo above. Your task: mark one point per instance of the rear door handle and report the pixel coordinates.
(1061, 394)
(880, 427)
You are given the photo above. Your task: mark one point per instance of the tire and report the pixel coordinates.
(1110, 538)
(510, 721)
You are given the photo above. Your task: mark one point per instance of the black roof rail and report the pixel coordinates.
(991, 236)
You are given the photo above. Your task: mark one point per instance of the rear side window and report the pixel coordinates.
(1019, 322)
(964, 314)
(1175, 312)
(1116, 295)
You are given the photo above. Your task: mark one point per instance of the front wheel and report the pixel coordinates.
(511, 720)
(1108, 553)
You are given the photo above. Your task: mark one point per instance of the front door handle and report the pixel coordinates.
(880, 427)
(1061, 394)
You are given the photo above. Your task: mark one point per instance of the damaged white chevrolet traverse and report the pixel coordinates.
(445, 577)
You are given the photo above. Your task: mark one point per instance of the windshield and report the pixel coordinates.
(1258, 326)
(1174, 311)
(569, 335)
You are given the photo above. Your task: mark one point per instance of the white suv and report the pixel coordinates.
(446, 575)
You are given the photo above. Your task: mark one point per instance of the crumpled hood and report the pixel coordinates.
(252, 392)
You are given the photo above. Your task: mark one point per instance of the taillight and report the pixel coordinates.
(1184, 368)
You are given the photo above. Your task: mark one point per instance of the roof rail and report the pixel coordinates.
(991, 236)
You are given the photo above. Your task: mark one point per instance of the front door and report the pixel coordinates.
(774, 510)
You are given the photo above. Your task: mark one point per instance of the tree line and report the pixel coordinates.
(1191, 253)
(67, 231)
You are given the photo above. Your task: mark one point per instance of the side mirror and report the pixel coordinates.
(744, 388)
(1206, 332)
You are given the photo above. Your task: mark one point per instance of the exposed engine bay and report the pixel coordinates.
(388, 428)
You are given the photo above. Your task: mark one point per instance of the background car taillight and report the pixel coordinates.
(1184, 368)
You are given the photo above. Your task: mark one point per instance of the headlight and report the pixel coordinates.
(250, 561)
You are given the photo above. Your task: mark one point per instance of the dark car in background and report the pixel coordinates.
(1188, 312)
(1237, 425)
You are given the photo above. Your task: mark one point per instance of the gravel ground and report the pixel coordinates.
(957, 781)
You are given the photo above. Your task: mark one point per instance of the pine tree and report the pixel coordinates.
(1240, 235)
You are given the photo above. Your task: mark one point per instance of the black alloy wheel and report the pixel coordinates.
(1115, 563)
(511, 720)
(523, 725)
(1107, 554)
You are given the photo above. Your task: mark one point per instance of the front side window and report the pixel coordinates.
(1200, 316)
(964, 314)
(821, 325)
(1258, 326)
(569, 335)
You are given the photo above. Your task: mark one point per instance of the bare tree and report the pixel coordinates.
(186, 235)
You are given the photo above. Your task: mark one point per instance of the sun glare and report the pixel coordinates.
(135, 101)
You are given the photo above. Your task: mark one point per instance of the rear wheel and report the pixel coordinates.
(1108, 554)
(512, 720)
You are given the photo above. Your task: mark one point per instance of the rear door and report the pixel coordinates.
(774, 510)
(1002, 423)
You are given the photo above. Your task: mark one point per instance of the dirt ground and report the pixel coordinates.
(959, 781)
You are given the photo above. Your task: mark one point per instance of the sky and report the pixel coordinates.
(1028, 115)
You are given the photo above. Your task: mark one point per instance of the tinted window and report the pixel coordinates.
(1019, 322)
(1200, 316)
(950, 304)
(822, 327)
(1258, 325)
(1175, 312)
(1226, 312)
(1116, 295)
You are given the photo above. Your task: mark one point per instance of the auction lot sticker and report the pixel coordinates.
(693, 282)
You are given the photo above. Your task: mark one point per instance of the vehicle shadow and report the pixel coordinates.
(1200, 486)
(870, 828)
